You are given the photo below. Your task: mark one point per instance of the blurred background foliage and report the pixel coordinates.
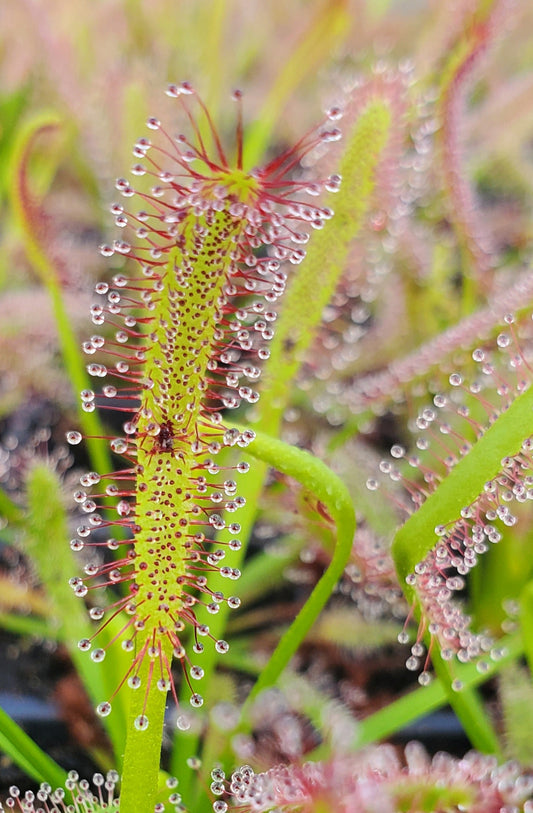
(100, 68)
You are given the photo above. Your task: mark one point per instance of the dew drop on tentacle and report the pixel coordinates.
(141, 722)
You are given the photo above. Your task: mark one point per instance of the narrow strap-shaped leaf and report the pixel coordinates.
(324, 30)
(143, 741)
(313, 286)
(26, 753)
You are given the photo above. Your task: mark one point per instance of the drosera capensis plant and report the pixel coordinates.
(190, 335)
(205, 431)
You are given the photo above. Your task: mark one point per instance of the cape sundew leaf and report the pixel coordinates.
(326, 259)
(191, 327)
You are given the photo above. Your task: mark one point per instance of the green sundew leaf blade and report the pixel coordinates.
(314, 284)
(416, 537)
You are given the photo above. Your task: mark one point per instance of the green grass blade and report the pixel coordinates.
(26, 753)
(323, 32)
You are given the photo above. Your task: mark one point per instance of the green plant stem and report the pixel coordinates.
(140, 771)
(329, 489)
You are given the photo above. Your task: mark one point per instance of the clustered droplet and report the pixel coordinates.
(86, 796)
(417, 781)
(82, 796)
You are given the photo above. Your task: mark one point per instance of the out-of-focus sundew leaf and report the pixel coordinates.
(34, 224)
